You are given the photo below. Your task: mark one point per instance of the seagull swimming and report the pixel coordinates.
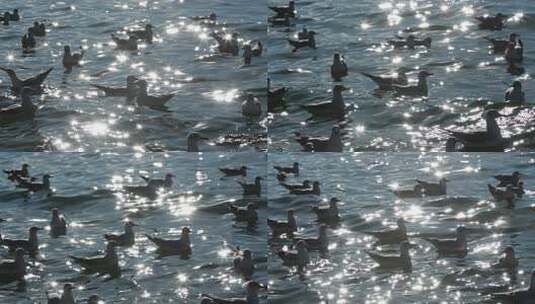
(31, 245)
(457, 246)
(35, 83)
(181, 247)
(391, 236)
(71, 60)
(420, 89)
(252, 189)
(295, 258)
(102, 264)
(338, 67)
(58, 224)
(402, 261)
(245, 214)
(234, 171)
(321, 144)
(294, 169)
(126, 239)
(328, 214)
(335, 109)
(251, 107)
(287, 227)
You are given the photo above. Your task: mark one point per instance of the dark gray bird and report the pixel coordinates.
(181, 247)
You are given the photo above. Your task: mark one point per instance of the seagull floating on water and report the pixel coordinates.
(321, 243)
(181, 247)
(19, 111)
(126, 239)
(490, 22)
(244, 265)
(328, 214)
(31, 245)
(287, 227)
(284, 10)
(295, 258)
(245, 214)
(305, 185)
(508, 179)
(335, 109)
(234, 171)
(321, 144)
(275, 97)
(102, 264)
(151, 101)
(391, 236)
(420, 89)
(433, 189)
(314, 190)
(447, 247)
(11, 270)
(16, 174)
(402, 261)
(387, 82)
(193, 141)
(36, 187)
(71, 60)
(129, 44)
(252, 189)
(34, 83)
(294, 169)
(166, 183)
(489, 140)
(130, 89)
(58, 224)
(338, 67)
(146, 34)
(309, 42)
(251, 107)
(67, 297)
(508, 261)
(507, 195)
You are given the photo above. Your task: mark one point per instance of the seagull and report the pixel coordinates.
(295, 258)
(151, 101)
(414, 90)
(432, 189)
(498, 45)
(129, 44)
(508, 261)
(35, 83)
(457, 246)
(338, 68)
(310, 42)
(251, 107)
(126, 239)
(403, 261)
(145, 34)
(514, 53)
(305, 185)
(391, 236)
(488, 139)
(387, 82)
(252, 189)
(315, 190)
(244, 265)
(23, 111)
(294, 169)
(494, 23)
(522, 296)
(275, 96)
(328, 214)
(58, 225)
(287, 227)
(507, 195)
(167, 182)
(36, 187)
(321, 144)
(14, 269)
(71, 60)
(231, 171)
(180, 247)
(514, 94)
(28, 42)
(31, 245)
(321, 243)
(284, 11)
(252, 296)
(67, 296)
(245, 214)
(102, 264)
(16, 174)
(512, 179)
(130, 89)
(335, 108)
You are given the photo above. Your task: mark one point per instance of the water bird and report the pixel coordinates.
(420, 89)
(410, 42)
(338, 67)
(247, 54)
(252, 288)
(402, 261)
(234, 171)
(32, 186)
(508, 261)
(275, 96)
(5, 18)
(328, 214)
(15, 174)
(251, 107)
(252, 189)
(181, 246)
(229, 45)
(335, 108)
(13, 269)
(38, 29)
(129, 44)
(167, 182)
(522, 296)
(303, 34)
(25, 110)
(508, 179)
(67, 297)
(280, 21)
(304, 185)
(284, 10)
(281, 176)
(211, 17)
(507, 195)
(14, 16)
(309, 42)
(102, 264)
(433, 189)
(500, 45)
(314, 190)
(130, 89)
(387, 82)
(287, 227)
(34, 83)
(391, 236)
(71, 60)
(333, 143)
(491, 22)
(321, 243)
(145, 34)
(514, 52)
(151, 101)
(294, 169)
(94, 299)
(126, 239)
(447, 247)
(244, 265)
(245, 214)
(514, 94)
(489, 140)
(31, 245)
(193, 141)
(58, 224)
(28, 42)
(295, 258)
(257, 48)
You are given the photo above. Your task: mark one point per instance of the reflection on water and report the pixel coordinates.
(364, 183)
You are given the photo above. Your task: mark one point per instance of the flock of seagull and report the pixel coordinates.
(20, 107)
(108, 263)
(295, 251)
(398, 83)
